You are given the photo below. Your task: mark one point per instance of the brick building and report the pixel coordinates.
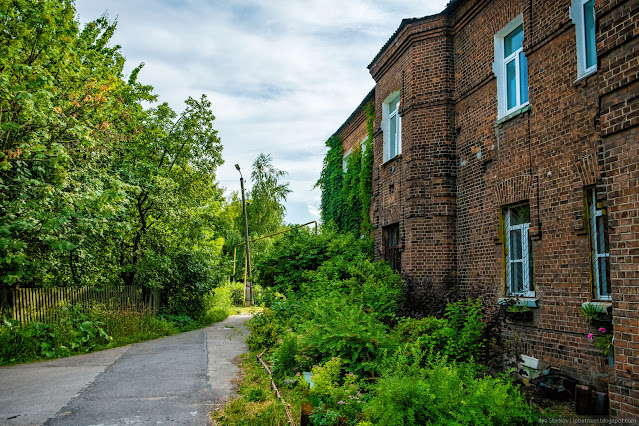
(506, 161)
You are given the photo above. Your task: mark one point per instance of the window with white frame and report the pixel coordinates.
(518, 252)
(346, 158)
(511, 68)
(582, 13)
(599, 252)
(391, 126)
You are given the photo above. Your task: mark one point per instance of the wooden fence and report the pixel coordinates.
(43, 304)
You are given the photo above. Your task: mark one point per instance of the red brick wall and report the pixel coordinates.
(417, 188)
(618, 54)
(459, 165)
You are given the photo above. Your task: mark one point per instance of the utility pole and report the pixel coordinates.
(248, 286)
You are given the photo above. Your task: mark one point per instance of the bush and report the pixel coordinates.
(300, 250)
(373, 285)
(417, 390)
(190, 281)
(458, 335)
(337, 328)
(334, 395)
(284, 364)
(265, 330)
(73, 332)
(426, 299)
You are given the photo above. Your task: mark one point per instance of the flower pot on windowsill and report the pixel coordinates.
(604, 321)
(523, 316)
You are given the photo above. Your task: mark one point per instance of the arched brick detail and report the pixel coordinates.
(588, 169)
(513, 190)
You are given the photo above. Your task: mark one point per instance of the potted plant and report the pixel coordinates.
(596, 316)
(604, 342)
(519, 313)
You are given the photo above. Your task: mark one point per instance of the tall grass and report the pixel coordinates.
(77, 331)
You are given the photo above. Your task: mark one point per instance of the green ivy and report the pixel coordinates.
(346, 197)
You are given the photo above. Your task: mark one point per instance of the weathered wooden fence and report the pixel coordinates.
(43, 304)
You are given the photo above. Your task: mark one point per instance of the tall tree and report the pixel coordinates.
(265, 209)
(95, 188)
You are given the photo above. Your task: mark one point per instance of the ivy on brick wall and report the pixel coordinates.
(346, 197)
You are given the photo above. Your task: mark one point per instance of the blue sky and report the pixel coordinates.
(282, 75)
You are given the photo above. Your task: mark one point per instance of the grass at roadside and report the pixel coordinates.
(76, 331)
(256, 402)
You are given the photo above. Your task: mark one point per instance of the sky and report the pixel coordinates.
(282, 75)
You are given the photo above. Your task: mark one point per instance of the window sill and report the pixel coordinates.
(601, 305)
(390, 160)
(513, 114)
(529, 302)
(581, 81)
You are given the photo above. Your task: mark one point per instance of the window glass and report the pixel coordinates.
(603, 276)
(599, 250)
(515, 244)
(519, 215)
(517, 278)
(523, 77)
(513, 41)
(511, 84)
(392, 254)
(393, 137)
(393, 105)
(589, 27)
(519, 252)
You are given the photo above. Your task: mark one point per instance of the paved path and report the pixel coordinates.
(173, 380)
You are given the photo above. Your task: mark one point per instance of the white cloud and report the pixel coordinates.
(282, 76)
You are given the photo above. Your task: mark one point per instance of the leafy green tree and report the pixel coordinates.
(61, 101)
(170, 167)
(97, 189)
(265, 210)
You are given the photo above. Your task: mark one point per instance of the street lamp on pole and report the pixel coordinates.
(248, 286)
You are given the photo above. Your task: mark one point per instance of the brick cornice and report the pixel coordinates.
(410, 35)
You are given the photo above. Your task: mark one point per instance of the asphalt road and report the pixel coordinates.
(174, 380)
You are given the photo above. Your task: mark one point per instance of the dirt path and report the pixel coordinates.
(173, 380)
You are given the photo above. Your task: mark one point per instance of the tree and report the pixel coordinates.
(170, 166)
(95, 188)
(61, 101)
(265, 209)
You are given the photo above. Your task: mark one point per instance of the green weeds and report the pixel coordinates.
(333, 315)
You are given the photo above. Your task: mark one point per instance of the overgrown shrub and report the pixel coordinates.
(419, 389)
(335, 396)
(301, 250)
(423, 299)
(337, 328)
(372, 285)
(73, 332)
(189, 283)
(265, 330)
(458, 335)
(284, 363)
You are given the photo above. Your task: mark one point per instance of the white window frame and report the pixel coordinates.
(387, 115)
(578, 18)
(526, 250)
(499, 69)
(593, 213)
(345, 160)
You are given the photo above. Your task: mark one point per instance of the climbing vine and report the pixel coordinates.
(346, 196)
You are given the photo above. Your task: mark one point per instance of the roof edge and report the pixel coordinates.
(407, 21)
(366, 99)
